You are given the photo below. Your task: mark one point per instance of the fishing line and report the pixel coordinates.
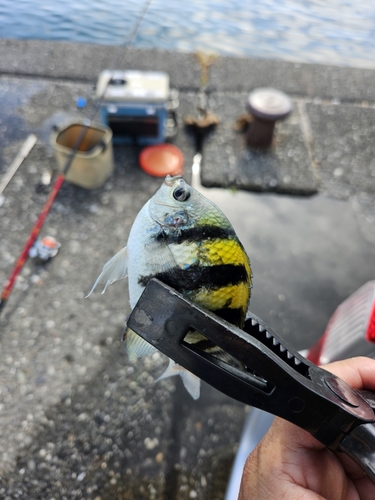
(119, 63)
(62, 176)
(132, 36)
(121, 58)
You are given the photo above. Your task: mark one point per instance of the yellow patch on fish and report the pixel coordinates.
(232, 297)
(224, 251)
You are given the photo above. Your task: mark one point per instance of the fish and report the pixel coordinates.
(183, 239)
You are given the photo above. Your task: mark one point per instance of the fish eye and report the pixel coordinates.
(181, 193)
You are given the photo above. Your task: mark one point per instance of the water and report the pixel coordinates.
(339, 32)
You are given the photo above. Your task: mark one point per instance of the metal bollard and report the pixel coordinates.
(266, 106)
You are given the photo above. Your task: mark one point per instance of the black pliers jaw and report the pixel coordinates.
(274, 377)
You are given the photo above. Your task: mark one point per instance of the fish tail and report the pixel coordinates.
(191, 382)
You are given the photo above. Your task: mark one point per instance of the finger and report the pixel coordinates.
(353, 470)
(365, 488)
(358, 372)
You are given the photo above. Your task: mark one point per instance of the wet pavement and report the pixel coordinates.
(78, 419)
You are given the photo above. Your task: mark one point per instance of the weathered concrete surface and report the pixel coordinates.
(78, 419)
(343, 147)
(63, 60)
(285, 168)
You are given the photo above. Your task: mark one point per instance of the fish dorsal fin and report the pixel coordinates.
(136, 347)
(115, 269)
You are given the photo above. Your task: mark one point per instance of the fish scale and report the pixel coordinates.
(184, 254)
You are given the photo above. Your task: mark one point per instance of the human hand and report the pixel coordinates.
(291, 464)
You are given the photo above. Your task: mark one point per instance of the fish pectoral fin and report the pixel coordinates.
(115, 269)
(161, 257)
(136, 347)
(191, 382)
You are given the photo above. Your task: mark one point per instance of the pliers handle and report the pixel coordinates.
(267, 374)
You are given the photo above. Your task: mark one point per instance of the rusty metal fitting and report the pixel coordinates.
(266, 106)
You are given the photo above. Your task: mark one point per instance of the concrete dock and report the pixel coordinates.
(77, 419)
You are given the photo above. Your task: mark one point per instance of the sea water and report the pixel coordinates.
(339, 32)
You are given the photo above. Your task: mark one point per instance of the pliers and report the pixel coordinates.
(269, 374)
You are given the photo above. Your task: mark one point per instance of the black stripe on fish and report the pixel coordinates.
(236, 316)
(195, 277)
(196, 234)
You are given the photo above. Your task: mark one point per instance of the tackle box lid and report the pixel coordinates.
(133, 86)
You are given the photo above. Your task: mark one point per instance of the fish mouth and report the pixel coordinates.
(169, 180)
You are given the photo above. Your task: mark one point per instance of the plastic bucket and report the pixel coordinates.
(93, 162)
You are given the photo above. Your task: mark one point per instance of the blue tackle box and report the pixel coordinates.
(134, 105)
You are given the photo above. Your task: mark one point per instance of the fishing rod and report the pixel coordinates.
(62, 176)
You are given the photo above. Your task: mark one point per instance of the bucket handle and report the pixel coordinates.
(102, 144)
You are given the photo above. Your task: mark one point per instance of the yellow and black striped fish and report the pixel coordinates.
(184, 240)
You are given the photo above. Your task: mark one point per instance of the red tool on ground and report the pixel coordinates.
(33, 235)
(39, 223)
(61, 177)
